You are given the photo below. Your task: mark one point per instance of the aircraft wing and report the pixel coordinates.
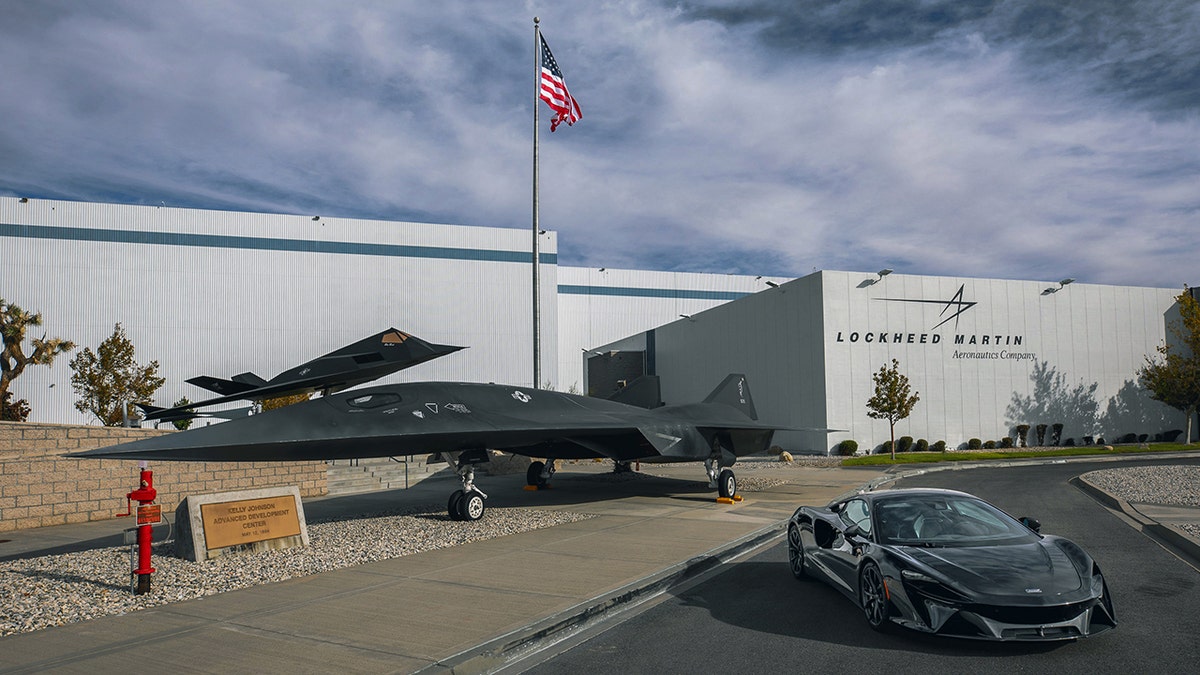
(368, 359)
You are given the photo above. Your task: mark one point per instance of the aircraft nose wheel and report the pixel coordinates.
(727, 484)
(471, 506)
(453, 503)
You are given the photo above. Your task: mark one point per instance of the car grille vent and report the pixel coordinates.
(1031, 615)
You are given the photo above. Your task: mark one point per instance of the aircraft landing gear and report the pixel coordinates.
(467, 503)
(622, 467)
(720, 477)
(538, 475)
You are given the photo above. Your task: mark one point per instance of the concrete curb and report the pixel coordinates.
(1173, 537)
(497, 653)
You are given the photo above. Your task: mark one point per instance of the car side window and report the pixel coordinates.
(855, 512)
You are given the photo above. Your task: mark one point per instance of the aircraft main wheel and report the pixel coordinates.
(726, 483)
(471, 506)
(533, 475)
(452, 506)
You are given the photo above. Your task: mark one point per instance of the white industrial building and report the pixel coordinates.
(985, 356)
(220, 293)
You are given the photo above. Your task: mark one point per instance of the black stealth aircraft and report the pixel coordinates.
(368, 359)
(462, 421)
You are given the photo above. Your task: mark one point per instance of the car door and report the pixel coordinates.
(843, 555)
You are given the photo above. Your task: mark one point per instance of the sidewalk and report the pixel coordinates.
(464, 607)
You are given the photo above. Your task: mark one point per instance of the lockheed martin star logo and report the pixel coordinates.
(956, 302)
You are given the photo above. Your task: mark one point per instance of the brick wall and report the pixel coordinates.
(39, 487)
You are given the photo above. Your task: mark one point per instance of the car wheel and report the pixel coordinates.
(873, 596)
(726, 483)
(796, 552)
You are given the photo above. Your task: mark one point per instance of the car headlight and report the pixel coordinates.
(931, 588)
(911, 575)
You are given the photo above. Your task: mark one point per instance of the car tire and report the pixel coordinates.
(796, 561)
(872, 596)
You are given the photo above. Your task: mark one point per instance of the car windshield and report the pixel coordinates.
(945, 520)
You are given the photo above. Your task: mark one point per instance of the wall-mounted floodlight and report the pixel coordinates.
(316, 218)
(24, 200)
(772, 284)
(603, 268)
(687, 316)
(1061, 285)
(884, 272)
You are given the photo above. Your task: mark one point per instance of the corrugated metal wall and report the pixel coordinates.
(220, 293)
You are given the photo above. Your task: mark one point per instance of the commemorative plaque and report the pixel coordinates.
(232, 523)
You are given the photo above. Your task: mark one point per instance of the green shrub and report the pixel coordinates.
(989, 445)
(922, 445)
(974, 444)
(1006, 442)
(940, 446)
(1023, 435)
(847, 447)
(886, 448)
(904, 444)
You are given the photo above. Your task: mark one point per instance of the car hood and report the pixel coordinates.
(1036, 569)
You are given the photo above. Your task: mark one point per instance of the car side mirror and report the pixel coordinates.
(1032, 523)
(852, 531)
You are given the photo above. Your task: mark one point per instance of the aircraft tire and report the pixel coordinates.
(471, 506)
(533, 475)
(726, 483)
(452, 506)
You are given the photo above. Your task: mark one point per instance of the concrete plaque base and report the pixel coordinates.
(238, 523)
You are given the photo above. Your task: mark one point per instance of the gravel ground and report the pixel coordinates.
(37, 593)
(1167, 485)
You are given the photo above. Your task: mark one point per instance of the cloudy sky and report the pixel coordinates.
(1019, 139)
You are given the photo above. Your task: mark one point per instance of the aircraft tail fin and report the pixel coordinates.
(643, 392)
(249, 379)
(734, 392)
(222, 387)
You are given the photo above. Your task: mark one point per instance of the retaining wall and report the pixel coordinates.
(40, 487)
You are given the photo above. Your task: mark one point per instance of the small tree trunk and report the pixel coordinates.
(893, 441)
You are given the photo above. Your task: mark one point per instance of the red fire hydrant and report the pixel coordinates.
(144, 495)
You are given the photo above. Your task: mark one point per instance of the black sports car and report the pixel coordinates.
(946, 562)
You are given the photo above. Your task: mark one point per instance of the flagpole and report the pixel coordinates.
(537, 304)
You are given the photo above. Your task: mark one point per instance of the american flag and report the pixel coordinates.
(554, 91)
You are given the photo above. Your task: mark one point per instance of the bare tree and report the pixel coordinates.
(14, 322)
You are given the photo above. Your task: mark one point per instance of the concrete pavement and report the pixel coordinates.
(465, 608)
(468, 608)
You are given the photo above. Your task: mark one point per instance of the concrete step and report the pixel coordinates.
(379, 473)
